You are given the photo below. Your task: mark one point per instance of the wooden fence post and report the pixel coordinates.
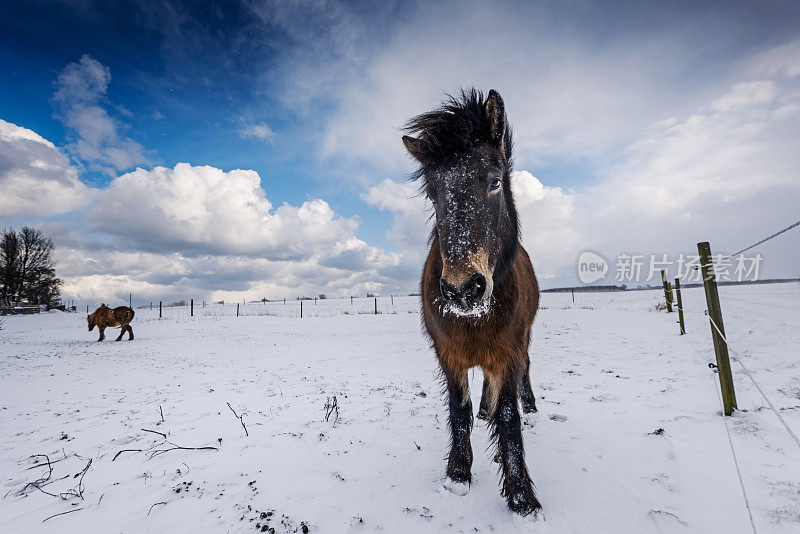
(130, 300)
(237, 309)
(667, 293)
(718, 331)
(351, 300)
(392, 300)
(573, 295)
(191, 308)
(301, 309)
(159, 309)
(680, 305)
(376, 305)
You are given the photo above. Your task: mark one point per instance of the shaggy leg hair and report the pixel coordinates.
(526, 392)
(459, 461)
(506, 428)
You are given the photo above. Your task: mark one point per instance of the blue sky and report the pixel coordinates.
(311, 95)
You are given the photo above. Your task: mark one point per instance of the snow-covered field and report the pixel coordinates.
(609, 373)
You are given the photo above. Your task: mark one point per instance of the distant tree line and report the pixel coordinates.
(27, 268)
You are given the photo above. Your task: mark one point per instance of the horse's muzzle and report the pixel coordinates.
(468, 295)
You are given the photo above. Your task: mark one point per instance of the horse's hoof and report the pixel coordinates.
(529, 408)
(524, 505)
(456, 488)
(482, 414)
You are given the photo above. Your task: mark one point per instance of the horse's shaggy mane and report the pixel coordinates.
(459, 126)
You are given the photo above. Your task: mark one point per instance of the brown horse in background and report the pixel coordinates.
(105, 317)
(479, 290)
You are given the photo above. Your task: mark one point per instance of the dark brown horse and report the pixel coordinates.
(105, 317)
(479, 291)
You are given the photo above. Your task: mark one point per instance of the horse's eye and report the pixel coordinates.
(495, 185)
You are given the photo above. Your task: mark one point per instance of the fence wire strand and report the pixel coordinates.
(776, 234)
(753, 380)
(730, 442)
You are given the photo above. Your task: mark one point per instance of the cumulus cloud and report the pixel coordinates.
(36, 178)
(95, 136)
(202, 209)
(547, 223)
(259, 130)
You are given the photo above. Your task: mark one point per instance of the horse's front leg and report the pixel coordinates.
(526, 392)
(459, 461)
(504, 419)
(483, 409)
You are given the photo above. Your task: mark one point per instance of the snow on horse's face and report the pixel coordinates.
(472, 222)
(467, 177)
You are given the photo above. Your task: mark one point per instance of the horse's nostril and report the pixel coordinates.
(448, 290)
(474, 288)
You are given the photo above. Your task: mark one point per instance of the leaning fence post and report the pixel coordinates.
(680, 305)
(667, 293)
(159, 309)
(717, 328)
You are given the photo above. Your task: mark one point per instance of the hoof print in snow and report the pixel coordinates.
(556, 417)
(456, 488)
(656, 432)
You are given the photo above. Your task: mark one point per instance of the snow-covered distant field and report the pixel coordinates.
(609, 373)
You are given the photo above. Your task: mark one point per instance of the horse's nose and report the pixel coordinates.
(473, 289)
(449, 291)
(470, 292)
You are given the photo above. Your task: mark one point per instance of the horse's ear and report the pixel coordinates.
(495, 112)
(414, 147)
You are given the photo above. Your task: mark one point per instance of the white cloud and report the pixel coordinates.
(566, 95)
(35, 177)
(259, 130)
(411, 212)
(782, 61)
(207, 210)
(94, 135)
(546, 222)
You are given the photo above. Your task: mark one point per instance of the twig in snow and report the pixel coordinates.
(61, 513)
(418, 447)
(155, 432)
(240, 418)
(41, 481)
(77, 491)
(155, 504)
(161, 412)
(332, 408)
(125, 450)
(51, 461)
(178, 447)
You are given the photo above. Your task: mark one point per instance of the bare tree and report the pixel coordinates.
(27, 267)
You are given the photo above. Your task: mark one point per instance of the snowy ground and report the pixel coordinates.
(608, 372)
